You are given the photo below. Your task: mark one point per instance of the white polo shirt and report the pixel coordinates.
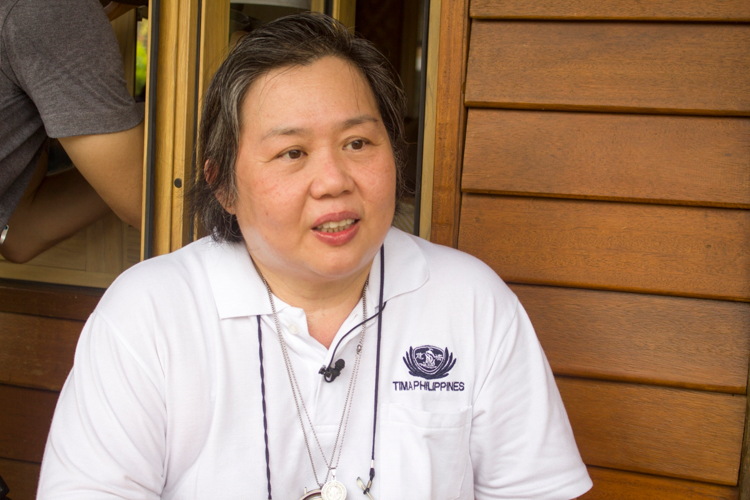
(164, 399)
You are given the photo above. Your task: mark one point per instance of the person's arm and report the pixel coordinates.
(113, 165)
(75, 79)
(53, 208)
(109, 432)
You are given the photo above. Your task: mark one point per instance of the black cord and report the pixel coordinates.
(326, 370)
(377, 366)
(263, 396)
(379, 314)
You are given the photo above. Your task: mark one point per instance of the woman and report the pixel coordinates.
(307, 345)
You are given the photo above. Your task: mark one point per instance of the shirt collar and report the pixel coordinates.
(239, 291)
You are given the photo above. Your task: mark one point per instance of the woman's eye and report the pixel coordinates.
(358, 144)
(294, 154)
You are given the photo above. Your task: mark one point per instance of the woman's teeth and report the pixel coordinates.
(335, 227)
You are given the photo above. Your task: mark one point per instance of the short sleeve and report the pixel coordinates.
(108, 435)
(522, 445)
(65, 57)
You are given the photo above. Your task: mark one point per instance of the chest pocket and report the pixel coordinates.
(424, 454)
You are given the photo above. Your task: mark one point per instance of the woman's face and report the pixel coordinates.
(316, 177)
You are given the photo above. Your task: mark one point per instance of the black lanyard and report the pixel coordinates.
(381, 306)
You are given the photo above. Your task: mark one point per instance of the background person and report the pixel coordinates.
(61, 76)
(205, 373)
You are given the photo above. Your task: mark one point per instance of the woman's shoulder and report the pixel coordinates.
(163, 280)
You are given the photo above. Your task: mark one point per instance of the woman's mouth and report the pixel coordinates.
(336, 226)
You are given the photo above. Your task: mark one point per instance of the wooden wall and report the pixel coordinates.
(597, 155)
(39, 328)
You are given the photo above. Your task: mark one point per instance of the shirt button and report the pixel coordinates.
(293, 329)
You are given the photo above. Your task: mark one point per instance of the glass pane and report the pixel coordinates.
(395, 27)
(247, 15)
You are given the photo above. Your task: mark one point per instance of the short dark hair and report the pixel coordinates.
(299, 39)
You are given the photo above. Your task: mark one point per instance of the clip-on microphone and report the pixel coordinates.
(331, 372)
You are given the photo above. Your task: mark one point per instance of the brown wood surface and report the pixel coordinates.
(619, 485)
(673, 250)
(674, 341)
(21, 477)
(744, 484)
(640, 67)
(55, 301)
(671, 10)
(36, 351)
(657, 430)
(449, 122)
(165, 148)
(430, 108)
(175, 118)
(673, 159)
(24, 422)
(174, 122)
(186, 86)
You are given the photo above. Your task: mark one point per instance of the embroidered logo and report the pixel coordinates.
(429, 362)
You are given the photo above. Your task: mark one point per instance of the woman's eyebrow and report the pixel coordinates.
(274, 132)
(358, 120)
(346, 124)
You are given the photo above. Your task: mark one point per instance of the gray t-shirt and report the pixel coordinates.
(60, 75)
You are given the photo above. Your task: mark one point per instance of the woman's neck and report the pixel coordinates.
(326, 305)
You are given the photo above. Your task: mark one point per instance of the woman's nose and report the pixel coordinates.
(332, 175)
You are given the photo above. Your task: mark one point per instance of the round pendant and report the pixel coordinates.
(333, 490)
(312, 495)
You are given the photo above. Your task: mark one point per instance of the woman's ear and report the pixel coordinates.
(211, 173)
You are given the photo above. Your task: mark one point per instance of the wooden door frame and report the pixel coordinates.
(450, 122)
(173, 122)
(430, 108)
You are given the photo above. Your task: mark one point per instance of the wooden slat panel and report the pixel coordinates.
(612, 484)
(673, 10)
(658, 430)
(21, 477)
(450, 121)
(36, 352)
(56, 301)
(744, 483)
(674, 159)
(641, 67)
(690, 251)
(24, 422)
(693, 343)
